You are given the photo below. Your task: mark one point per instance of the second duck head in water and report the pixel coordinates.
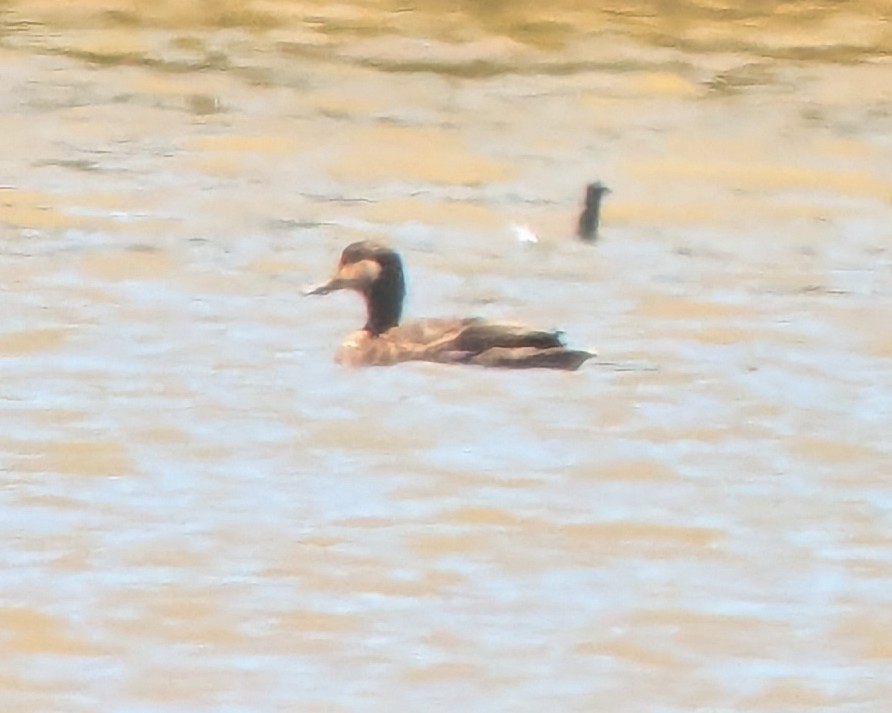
(587, 228)
(376, 272)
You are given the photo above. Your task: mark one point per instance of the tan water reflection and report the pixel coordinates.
(203, 513)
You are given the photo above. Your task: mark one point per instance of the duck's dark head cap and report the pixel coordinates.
(596, 190)
(368, 250)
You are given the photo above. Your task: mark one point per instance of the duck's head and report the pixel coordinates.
(594, 192)
(376, 272)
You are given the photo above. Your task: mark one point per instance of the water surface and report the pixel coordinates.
(203, 513)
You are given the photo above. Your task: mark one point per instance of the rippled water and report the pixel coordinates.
(201, 512)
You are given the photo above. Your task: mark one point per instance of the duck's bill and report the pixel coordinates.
(323, 288)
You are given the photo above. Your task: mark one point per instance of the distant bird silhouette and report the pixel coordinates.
(587, 229)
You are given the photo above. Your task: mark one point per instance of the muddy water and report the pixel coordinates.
(201, 512)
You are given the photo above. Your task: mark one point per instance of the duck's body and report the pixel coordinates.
(376, 272)
(590, 217)
(459, 341)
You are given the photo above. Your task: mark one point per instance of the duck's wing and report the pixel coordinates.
(477, 336)
(471, 335)
(531, 358)
(428, 333)
(513, 346)
(476, 341)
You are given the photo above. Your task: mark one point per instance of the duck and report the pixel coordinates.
(590, 217)
(375, 271)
